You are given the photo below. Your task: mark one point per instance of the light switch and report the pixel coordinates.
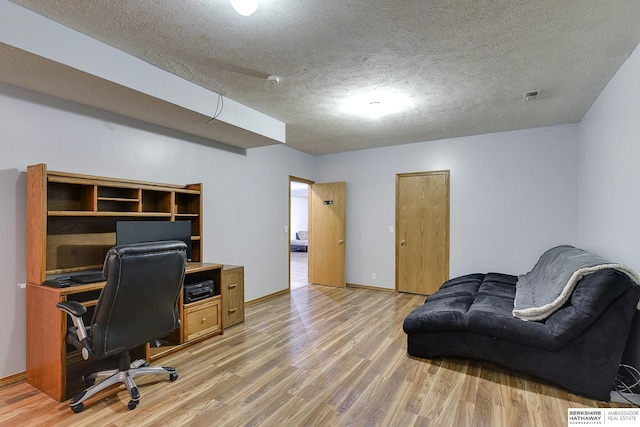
(391, 229)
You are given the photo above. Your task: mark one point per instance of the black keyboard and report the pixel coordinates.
(88, 278)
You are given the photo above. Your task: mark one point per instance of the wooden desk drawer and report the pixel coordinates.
(233, 294)
(202, 318)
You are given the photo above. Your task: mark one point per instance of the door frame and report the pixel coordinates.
(309, 183)
(448, 218)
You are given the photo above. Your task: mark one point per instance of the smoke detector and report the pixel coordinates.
(531, 95)
(274, 80)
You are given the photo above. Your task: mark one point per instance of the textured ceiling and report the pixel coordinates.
(463, 65)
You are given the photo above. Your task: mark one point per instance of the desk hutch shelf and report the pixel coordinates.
(71, 222)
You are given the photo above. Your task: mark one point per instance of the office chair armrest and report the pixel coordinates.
(72, 308)
(75, 310)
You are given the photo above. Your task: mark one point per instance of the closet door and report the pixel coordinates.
(422, 231)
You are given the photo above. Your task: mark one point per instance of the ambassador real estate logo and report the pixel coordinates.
(606, 416)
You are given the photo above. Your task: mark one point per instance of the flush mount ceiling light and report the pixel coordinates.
(376, 104)
(374, 109)
(245, 7)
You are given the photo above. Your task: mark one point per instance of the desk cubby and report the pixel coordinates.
(209, 310)
(72, 218)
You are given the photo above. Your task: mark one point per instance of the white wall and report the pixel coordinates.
(299, 215)
(609, 175)
(13, 187)
(513, 195)
(608, 204)
(245, 194)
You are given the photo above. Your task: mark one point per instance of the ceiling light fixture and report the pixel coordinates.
(245, 7)
(376, 104)
(375, 109)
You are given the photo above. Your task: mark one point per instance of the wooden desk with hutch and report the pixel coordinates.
(70, 226)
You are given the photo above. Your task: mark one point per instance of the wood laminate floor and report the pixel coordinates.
(299, 269)
(318, 356)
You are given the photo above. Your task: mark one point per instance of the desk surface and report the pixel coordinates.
(192, 267)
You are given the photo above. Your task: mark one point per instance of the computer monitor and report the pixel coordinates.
(128, 232)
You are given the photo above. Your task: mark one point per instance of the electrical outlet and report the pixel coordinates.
(373, 276)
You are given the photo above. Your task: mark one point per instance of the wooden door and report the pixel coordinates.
(422, 231)
(327, 231)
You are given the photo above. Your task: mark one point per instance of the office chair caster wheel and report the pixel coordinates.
(173, 376)
(132, 404)
(77, 408)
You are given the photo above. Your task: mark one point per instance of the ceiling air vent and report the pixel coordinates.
(531, 95)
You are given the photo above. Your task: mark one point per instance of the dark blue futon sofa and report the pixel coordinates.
(578, 346)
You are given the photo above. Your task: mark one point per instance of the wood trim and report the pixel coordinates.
(198, 188)
(194, 267)
(309, 183)
(266, 297)
(12, 379)
(77, 178)
(373, 288)
(302, 180)
(46, 347)
(94, 213)
(36, 223)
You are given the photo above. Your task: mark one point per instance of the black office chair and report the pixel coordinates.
(137, 305)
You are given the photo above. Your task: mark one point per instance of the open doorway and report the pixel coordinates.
(298, 232)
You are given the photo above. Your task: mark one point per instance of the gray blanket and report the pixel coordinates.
(543, 290)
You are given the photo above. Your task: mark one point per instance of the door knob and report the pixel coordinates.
(402, 243)
(340, 242)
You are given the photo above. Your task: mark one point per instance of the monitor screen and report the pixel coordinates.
(128, 232)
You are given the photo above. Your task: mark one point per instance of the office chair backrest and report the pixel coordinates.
(139, 301)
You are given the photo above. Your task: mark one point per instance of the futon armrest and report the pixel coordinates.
(73, 308)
